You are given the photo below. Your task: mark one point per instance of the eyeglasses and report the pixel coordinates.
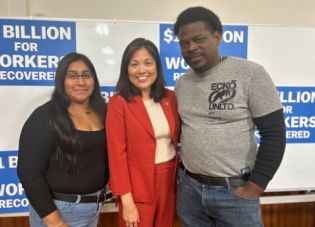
(73, 77)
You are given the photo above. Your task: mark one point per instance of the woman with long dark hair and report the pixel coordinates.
(143, 128)
(62, 163)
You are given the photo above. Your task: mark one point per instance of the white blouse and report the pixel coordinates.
(164, 151)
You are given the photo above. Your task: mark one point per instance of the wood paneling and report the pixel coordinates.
(108, 219)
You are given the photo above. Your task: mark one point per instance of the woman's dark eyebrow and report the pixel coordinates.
(76, 71)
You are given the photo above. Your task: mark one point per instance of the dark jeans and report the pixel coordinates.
(200, 205)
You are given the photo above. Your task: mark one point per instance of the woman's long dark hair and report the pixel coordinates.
(65, 136)
(124, 87)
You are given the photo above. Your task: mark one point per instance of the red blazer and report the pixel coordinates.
(131, 144)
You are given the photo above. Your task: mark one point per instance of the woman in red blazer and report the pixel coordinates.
(143, 129)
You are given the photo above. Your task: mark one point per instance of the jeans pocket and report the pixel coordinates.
(244, 198)
(99, 208)
(63, 206)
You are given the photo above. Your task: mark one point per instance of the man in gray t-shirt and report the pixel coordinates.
(220, 101)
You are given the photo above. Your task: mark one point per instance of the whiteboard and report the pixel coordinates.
(287, 53)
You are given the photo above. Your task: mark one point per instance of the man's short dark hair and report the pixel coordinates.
(195, 14)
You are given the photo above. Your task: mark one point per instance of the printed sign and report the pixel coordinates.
(12, 196)
(107, 92)
(31, 50)
(299, 114)
(234, 43)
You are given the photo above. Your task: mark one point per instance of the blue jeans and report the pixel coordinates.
(74, 214)
(200, 205)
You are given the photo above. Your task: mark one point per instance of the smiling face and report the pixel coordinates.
(199, 46)
(142, 71)
(80, 90)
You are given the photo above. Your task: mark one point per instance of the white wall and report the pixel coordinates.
(14, 8)
(291, 12)
(3, 8)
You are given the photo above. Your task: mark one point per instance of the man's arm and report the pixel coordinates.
(270, 153)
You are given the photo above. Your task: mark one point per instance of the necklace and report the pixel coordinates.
(86, 112)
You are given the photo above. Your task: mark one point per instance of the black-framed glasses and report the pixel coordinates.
(73, 77)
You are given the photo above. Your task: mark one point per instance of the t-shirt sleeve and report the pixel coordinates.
(262, 94)
(35, 149)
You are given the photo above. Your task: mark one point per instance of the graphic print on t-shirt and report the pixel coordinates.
(221, 96)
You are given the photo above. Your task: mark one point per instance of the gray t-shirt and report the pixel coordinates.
(216, 108)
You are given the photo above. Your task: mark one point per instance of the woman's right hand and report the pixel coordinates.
(54, 219)
(130, 211)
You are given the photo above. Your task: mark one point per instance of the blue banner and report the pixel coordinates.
(234, 43)
(12, 196)
(299, 113)
(31, 50)
(107, 92)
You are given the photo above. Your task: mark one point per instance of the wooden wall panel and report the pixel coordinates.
(108, 219)
(24, 221)
(3, 221)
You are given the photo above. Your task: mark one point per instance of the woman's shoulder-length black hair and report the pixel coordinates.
(65, 136)
(124, 87)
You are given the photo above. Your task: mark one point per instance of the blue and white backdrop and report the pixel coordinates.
(31, 49)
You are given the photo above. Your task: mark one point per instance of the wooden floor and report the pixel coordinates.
(277, 215)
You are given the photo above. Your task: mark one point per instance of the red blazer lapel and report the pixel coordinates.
(166, 106)
(141, 114)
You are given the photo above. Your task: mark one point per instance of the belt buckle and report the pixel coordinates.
(102, 193)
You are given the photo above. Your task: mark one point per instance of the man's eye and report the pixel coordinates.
(183, 45)
(200, 40)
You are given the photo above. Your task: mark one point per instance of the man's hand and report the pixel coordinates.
(249, 190)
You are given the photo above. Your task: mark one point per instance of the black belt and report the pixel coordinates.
(218, 181)
(72, 198)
